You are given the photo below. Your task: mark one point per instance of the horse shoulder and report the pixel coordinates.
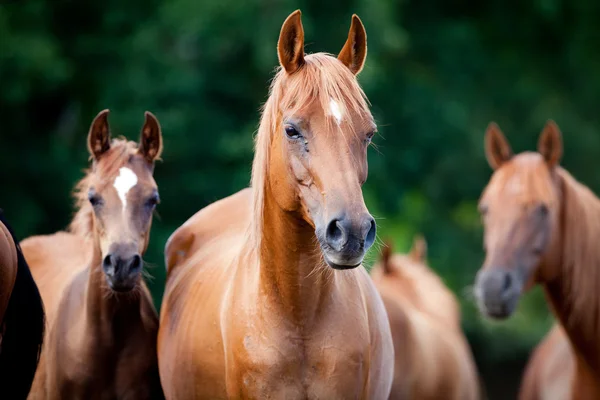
(232, 212)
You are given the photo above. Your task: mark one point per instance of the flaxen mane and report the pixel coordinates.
(321, 78)
(119, 154)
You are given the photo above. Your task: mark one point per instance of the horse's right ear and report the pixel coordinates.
(497, 149)
(99, 135)
(386, 253)
(290, 47)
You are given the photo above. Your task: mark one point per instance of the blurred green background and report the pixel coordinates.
(437, 73)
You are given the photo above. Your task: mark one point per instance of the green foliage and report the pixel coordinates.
(436, 74)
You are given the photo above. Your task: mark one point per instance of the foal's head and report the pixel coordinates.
(520, 209)
(319, 128)
(122, 194)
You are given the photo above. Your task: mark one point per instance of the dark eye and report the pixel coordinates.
(370, 137)
(292, 132)
(483, 209)
(153, 200)
(95, 199)
(543, 210)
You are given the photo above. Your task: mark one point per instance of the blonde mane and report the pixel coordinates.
(119, 154)
(580, 253)
(321, 79)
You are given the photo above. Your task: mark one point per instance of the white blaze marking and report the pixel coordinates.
(515, 185)
(124, 182)
(335, 110)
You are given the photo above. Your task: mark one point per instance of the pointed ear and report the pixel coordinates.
(290, 47)
(418, 252)
(150, 138)
(386, 253)
(550, 144)
(99, 135)
(354, 52)
(497, 149)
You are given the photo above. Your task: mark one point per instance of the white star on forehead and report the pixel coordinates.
(336, 111)
(124, 182)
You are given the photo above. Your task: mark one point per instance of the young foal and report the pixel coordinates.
(549, 373)
(102, 325)
(433, 359)
(255, 311)
(21, 318)
(541, 226)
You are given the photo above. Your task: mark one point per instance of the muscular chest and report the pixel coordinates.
(286, 362)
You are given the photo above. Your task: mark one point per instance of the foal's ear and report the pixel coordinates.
(150, 138)
(550, 144)
(418, 252)
(386, 253)
(290, 47)
(354, 52)
(99, 135)
(497, 149)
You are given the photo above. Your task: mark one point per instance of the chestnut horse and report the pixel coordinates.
(102, 325)
(21, 318)
(550, 370)
(542, 226)
(274, 302)
(433, 358)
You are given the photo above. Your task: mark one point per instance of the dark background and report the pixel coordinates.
(437, 73)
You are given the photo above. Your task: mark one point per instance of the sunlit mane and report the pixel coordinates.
(118, 156)
(322, 78)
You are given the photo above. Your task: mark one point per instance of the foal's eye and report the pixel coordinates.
(292, 132)
(153, 200)
(483, 209)
(95, 200)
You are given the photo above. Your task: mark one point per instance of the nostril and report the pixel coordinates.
(335, 234)
(507, 283)
(107, 262)
(370, 238)
(136, 262)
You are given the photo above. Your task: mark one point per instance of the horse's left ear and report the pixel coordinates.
(419, 249)
(550, 144)
(354, 52)
(150, 138)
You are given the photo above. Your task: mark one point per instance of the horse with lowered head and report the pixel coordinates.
(541, 227)
(433, 358)
(266, 296)
(22, 317)
(102, 325)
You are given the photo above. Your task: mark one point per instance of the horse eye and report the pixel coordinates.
(543, 210)
(153, 200)
(292, 132)
(370, 137)
(483, 209)
(94, 199)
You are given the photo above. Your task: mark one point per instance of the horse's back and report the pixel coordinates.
(432, 357)
(551, 369)
(210, 223)
(54, 261)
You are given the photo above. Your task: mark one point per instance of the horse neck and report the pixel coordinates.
(292, 272)
(573, 291)
(109, 314)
